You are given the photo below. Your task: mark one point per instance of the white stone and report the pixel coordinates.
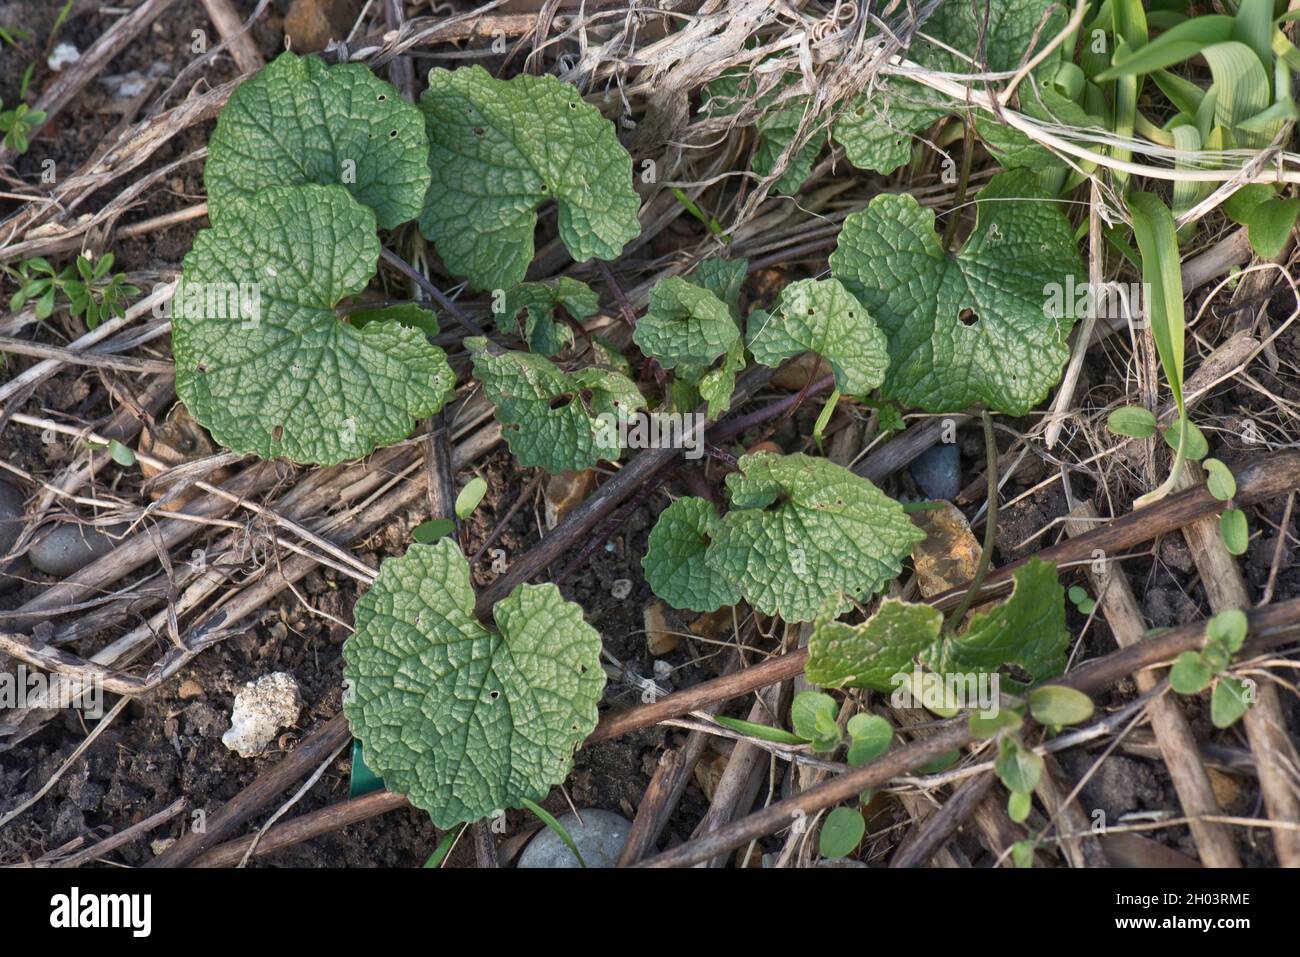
(262, 708)
(63, 54)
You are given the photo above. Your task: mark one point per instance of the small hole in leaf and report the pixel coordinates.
(478, 131)
(200, 368)
(493, 695)
(381, 97)
(572, 105)
(277, 433)
(560, 401)
(392, 134)
(967, 318)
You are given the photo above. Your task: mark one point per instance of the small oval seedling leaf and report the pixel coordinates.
(1132, 421)
(764, 732)
(1077, 594)
(1019, 805)
(1230, 700)
(1197, 445)
(426, 533)
(841, 832)
(470, 496)
(870, 736)
(1017, 766)
(1235, 531)
(1219, 480)
(1228, 628)
(1057, 705)
(1190, 674)
(813, 715)
(120, 453)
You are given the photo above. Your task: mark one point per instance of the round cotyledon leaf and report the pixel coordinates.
(262, 359)
(302, 121)
(463, 720)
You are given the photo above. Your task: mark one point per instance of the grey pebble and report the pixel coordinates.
(599, 836)
(11, 516)
(68, 548)
(937, 471)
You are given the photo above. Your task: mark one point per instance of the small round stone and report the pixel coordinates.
(68, 548)
(599, 836)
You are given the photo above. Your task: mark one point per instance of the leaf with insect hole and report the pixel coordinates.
(971, 326)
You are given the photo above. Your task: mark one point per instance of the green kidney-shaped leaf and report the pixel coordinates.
(674, 562)
(550, 418)
(803, 530)
(686, 323)
(302, 121)
(498, 149)
(869, 655)
(463, 720)
(821, 316)
(539, 301)
(974, 326)
(289, 377)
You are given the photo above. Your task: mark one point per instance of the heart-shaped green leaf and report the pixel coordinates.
(463, 720)
(498, 150)
(550, 418)
(285, 375)
(972, 326)
(821, 316)
(301, 121)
